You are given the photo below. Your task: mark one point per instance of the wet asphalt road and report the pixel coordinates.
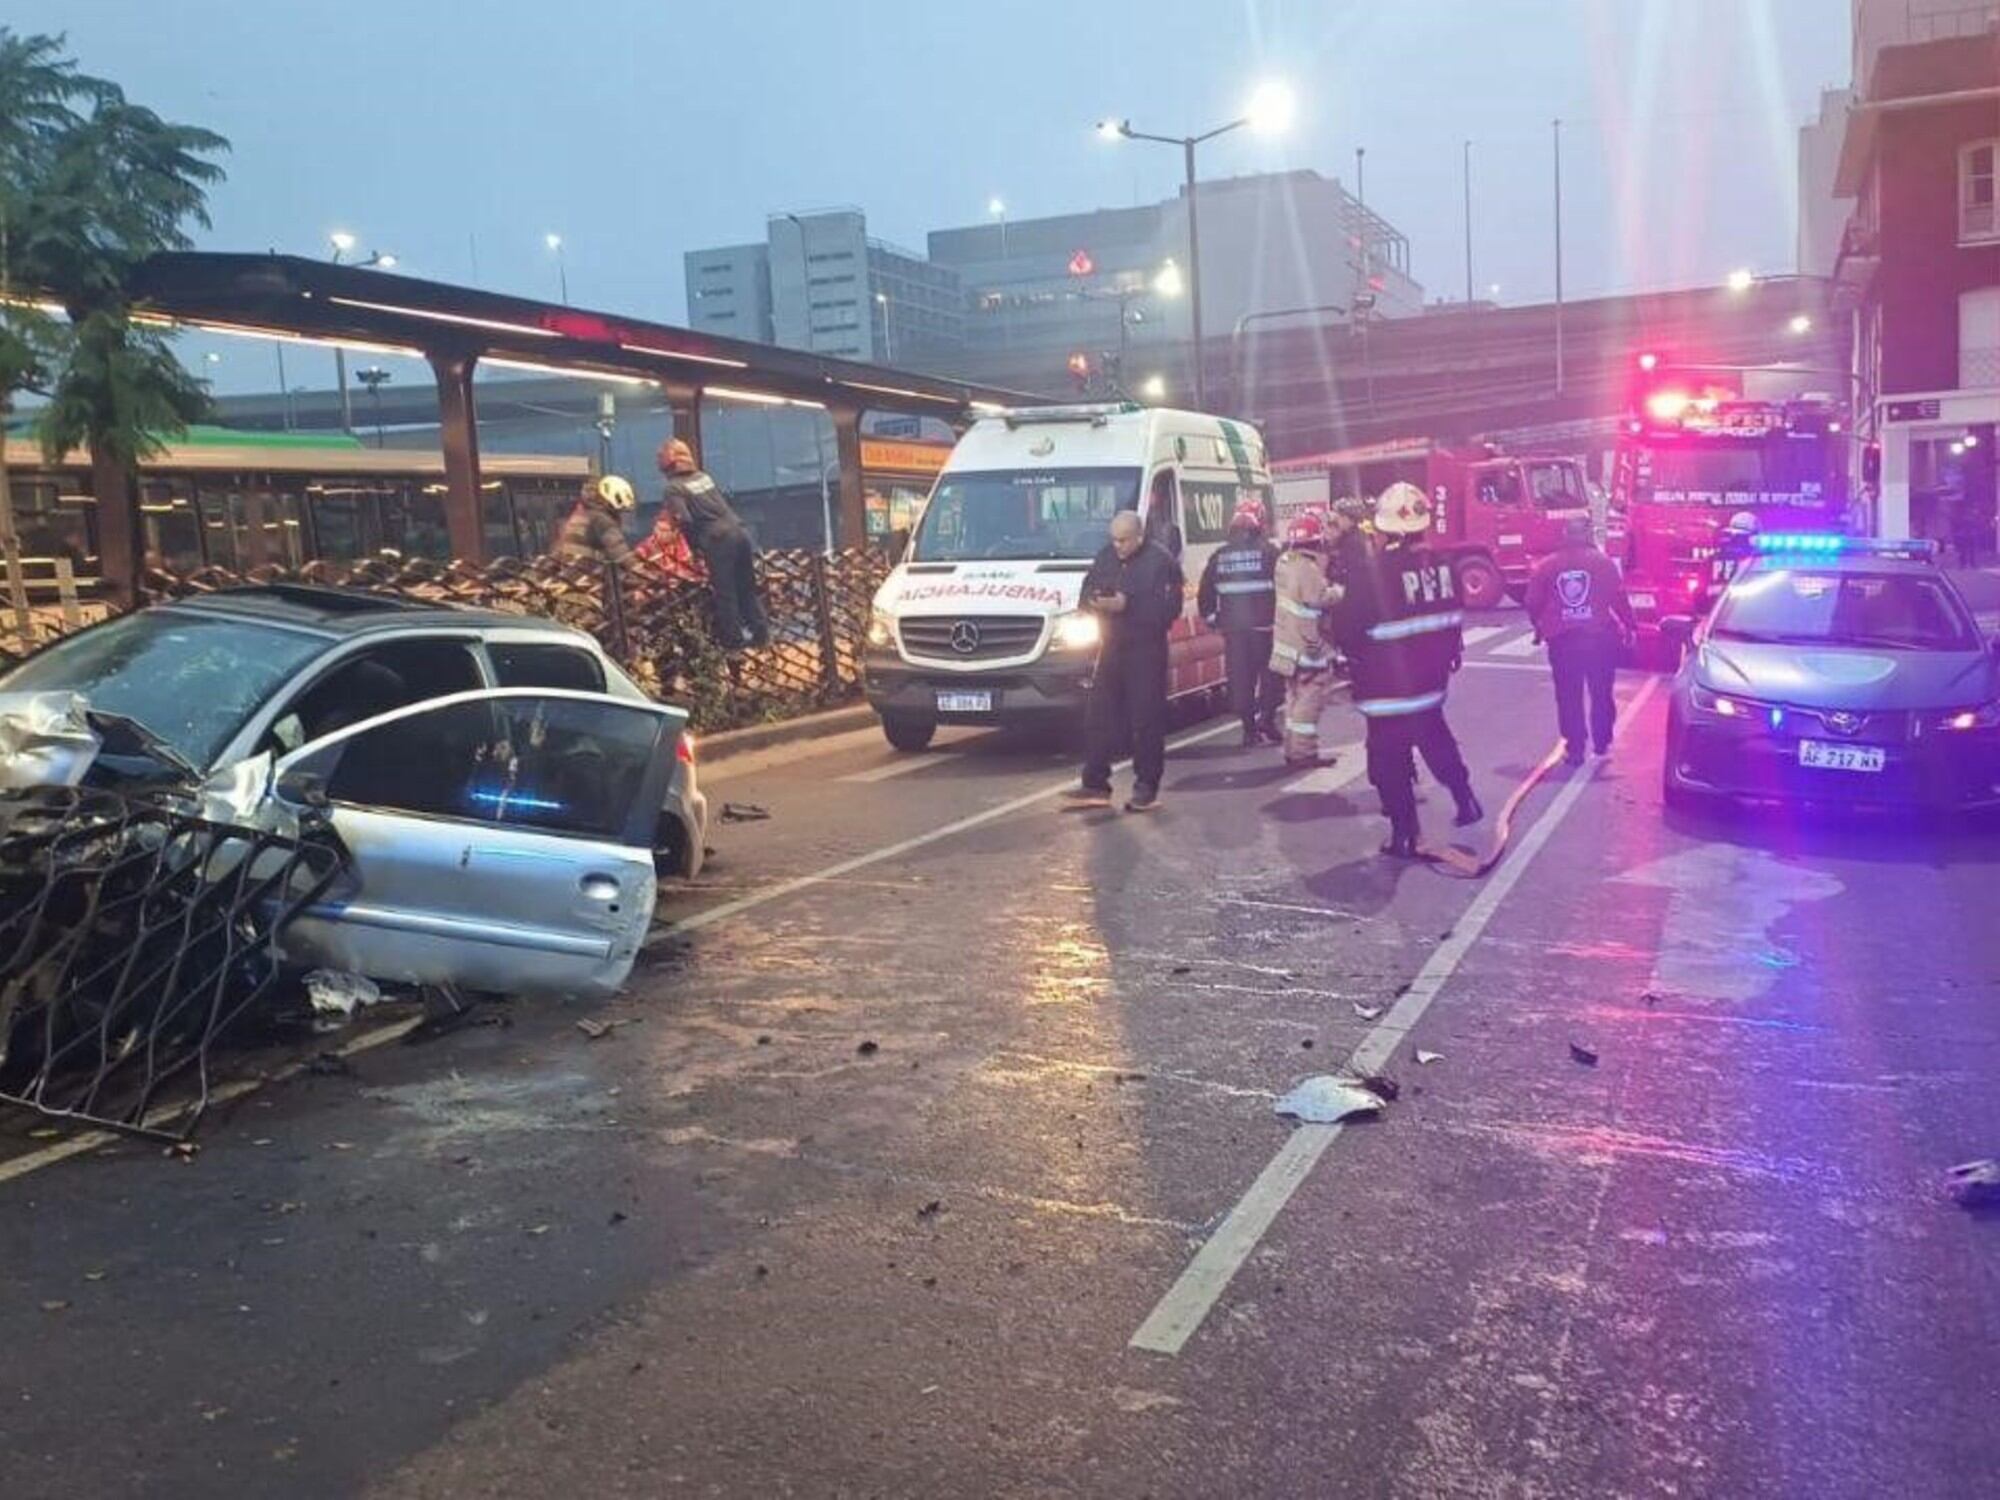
(734, 1249)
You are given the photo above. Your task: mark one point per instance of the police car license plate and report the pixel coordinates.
(1643, 601)
(1824, 757)
(965, 703)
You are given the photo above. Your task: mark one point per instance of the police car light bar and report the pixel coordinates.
(1905, 549)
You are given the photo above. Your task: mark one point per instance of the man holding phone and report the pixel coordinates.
(1136, 590)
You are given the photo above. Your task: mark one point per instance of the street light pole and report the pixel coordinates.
(1270, 109)
(343, 242)
(1557, 134)
(1468, 223)
(555, 243)
(888, 328)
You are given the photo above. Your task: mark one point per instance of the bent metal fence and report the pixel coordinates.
(657, 624)
(132, 938)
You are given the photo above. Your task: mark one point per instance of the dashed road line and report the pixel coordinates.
(1523, 644)
(1476, 634)
(1187, 1302)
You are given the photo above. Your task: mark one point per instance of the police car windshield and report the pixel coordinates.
(1022, 514)
(1807, 606)
(1736, 473)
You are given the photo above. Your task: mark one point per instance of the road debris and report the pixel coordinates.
(931, 1209)
(55, 1304)
(330, 1065)
(1427, 1058)
(868, 1048)
(1975, 1185)
(597, 1030)
(334, 993)
(744, 812)
(1582, 1054)
(1382, 1086)
(1306, 1044)
(1368, 1012)
(1327, 1100)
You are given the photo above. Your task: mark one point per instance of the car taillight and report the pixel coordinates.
(684, 751)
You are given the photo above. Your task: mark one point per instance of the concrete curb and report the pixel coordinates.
(730, 742)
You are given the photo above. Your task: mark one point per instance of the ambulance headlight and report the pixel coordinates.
(881, 629)
(1077, 631)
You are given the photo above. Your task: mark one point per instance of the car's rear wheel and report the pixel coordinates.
(908, 732)
(1480, 584)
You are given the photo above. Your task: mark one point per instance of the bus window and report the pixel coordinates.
(539, 512)
(340, 527)
(413, 521)
(496, 519)
(173, 528)
(51, 524)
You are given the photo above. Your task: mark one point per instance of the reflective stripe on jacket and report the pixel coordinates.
(1237, 589)
(1401, 626)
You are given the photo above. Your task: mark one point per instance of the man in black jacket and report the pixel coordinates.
(714, 530)
(1238, 597)
(1400, 625)
(1136, 591)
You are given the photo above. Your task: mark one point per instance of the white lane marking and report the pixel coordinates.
(90, 1140)
(899, 767)
(1349, 762)
(792, 887)
(1505, 666)
(1187, 1302)
(1474, 634)
(1521, 645)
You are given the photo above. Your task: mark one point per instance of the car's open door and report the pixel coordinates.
(500, 840)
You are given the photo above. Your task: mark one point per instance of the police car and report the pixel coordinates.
(1837, 670)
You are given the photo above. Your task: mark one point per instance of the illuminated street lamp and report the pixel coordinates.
(555, 244)
(1741, 279)
(1154, 388)
(998, 210)
(1269, 111)
(1800, 323)
(343, 243)
(1169, 282)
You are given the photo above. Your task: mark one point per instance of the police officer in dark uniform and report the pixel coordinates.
(1136, 590)
(1400, 625)
(1237, 596)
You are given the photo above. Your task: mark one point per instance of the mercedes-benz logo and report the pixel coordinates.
(964, 637)
(1843, 722)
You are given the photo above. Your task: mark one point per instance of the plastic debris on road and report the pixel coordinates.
(596, 1030)
(1426, 1058)
(334, 993)
(1582, 1054)
(1368, 1012)
(744, 812)
(1975, 1185)
(1327, 1100)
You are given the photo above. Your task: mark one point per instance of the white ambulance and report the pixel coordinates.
(979, 623)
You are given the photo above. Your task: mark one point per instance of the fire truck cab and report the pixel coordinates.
(1699, 445)
(1495, 514)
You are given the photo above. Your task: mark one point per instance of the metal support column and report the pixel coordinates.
(458, 430)
(853, 505)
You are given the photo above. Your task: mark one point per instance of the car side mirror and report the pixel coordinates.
(302, 788)
(1677, 628)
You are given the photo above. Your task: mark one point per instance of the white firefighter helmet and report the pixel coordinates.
(1402, 510)
(615, 492)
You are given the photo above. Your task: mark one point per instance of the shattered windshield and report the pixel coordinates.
(190, 680)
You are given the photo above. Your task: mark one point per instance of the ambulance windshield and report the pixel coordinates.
(1023, 514)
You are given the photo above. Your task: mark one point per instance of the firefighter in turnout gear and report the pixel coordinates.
(1237, 596)
(1300, 652)
(595, 530)
(1400, 624)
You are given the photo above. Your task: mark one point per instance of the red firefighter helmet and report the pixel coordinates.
(1306, 529)
(1249, 512)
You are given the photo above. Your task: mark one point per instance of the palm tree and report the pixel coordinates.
(37, 87)
(104, 188)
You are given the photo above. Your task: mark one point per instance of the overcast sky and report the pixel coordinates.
(638, 129)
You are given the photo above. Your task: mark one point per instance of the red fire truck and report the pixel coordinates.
(1700, 444)
(1495, 513)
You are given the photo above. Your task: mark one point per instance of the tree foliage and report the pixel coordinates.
(90, 185)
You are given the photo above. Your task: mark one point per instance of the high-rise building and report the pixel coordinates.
(818, 282)
(1270, 243)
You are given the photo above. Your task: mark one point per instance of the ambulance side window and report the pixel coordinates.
(1162, 523)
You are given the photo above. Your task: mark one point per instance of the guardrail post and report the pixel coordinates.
(829, 646)
(614, 614)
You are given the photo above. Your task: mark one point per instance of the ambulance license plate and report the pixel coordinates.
(1824, 757)
(965, 703)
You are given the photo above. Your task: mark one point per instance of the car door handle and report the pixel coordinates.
(600, 887)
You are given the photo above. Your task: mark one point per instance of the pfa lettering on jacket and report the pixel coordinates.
(1428, 584)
